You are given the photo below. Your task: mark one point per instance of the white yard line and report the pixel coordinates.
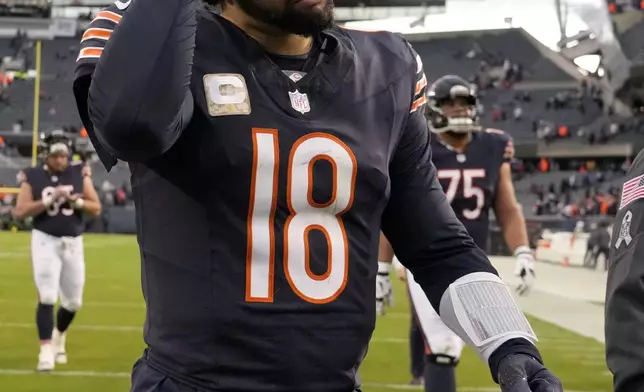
(91, 304)
(108, 328)
(65, 373)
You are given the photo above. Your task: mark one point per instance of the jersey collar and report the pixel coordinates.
(321, 83)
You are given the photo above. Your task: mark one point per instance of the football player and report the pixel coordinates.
(624, 290)
(472, 165)
(56, 194)
(267, 148)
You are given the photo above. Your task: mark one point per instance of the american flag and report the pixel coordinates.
(632, 190)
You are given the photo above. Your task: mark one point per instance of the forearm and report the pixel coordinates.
(139, 98)
(28, 209)
(385, 251)
(91, 207)
(514, 228)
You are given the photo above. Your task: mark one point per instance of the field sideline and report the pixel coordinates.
(106, 337)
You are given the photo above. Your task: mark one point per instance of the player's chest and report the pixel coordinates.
(466, 178)
(251, 128)
(45, 183)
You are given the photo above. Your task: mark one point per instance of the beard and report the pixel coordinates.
(304, 21)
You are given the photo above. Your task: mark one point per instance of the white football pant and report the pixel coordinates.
(59, 268)
(439, 338)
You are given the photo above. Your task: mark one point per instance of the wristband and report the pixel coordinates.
(522, 249)
(79, 203)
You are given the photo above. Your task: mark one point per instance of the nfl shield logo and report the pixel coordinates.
(299, 101)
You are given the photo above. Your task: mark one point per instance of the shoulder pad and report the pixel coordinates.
(392, 50)
(495, 131)
(504, 140)
(21, 177)
(387, 58)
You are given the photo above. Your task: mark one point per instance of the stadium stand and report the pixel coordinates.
(553, 111)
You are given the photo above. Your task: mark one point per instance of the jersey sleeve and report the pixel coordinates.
(625, 288)
(92, 44)
(95, 38)
(419, 98)
(423, 230)
(132, 54)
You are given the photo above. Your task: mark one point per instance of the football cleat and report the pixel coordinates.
(46, 361)
(58, 343)
(417, 381)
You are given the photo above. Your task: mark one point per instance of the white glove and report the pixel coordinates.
(524, 269)
(384, 292)
(47, 200)
(78, 203)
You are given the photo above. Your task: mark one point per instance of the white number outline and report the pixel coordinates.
(54, 208)
(469, 190)
(305, 215)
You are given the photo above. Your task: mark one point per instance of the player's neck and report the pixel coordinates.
(273, 40)
(458, 143)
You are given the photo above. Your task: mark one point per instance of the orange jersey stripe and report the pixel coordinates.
(91, 52)
(108, 15)
(421, 85)
(417, 103)
(95, 33)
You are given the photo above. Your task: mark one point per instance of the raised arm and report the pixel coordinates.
(132, 77)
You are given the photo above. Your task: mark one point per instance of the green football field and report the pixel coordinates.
(106, 337)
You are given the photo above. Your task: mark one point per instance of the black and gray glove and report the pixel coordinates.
(523, 373)
(517, 367)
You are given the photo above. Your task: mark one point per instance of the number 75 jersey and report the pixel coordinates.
(470, 178)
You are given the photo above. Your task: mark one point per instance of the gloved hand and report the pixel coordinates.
(523, 373)
(524, 269)
(384, 291)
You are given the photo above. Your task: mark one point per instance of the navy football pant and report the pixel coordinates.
(148, 379)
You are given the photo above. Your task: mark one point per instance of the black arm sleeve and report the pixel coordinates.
(419, 222)
(139, 100)
(625, 294)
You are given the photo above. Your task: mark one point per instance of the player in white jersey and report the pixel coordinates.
(56, 194)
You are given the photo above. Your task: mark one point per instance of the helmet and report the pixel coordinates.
(55, 142)
(445, 89)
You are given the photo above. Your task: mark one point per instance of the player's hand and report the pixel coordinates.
(524, 269)
(76, 200)
(383, 292)
(522, 373)
(401, 273)
(61, 192)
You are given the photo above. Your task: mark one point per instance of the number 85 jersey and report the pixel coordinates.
(470, 178)
(60, 219)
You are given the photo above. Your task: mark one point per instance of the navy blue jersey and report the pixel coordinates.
(260, 198)
(470, 178)
(60, 219)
